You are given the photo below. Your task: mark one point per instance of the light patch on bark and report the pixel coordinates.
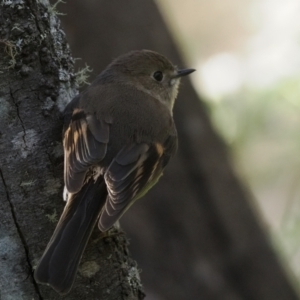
(52, 187)
(133, 276)
(25, 142)
(4, 108)
(66, 89)
(89, 269)
(48, 105)
(66, 94)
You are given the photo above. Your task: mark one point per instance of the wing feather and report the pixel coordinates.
(131, 174)
(85, 144)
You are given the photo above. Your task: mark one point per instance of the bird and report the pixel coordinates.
(118, 136)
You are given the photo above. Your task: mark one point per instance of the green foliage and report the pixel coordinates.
(262, 128)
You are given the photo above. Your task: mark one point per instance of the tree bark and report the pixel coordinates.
(36, 81)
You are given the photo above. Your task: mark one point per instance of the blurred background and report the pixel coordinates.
(247, 56)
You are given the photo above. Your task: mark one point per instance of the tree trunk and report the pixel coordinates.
(36, 81)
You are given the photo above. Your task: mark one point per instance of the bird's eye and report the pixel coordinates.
(158, 76)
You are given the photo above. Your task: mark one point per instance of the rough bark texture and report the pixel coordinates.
(36, 80)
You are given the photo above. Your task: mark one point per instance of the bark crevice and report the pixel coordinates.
(21, 235)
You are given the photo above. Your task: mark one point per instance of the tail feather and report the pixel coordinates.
(59, 263)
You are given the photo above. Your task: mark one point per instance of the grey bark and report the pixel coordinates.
(36, 81)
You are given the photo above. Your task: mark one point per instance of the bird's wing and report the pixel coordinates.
(85, 144)
(134, 170)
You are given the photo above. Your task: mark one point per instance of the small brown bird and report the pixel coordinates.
(119, 135)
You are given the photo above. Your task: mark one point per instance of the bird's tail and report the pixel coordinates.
(59, 263)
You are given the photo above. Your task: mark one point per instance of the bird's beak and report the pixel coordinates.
(184, 72)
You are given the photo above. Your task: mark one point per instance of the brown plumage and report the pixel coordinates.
(119, 135)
